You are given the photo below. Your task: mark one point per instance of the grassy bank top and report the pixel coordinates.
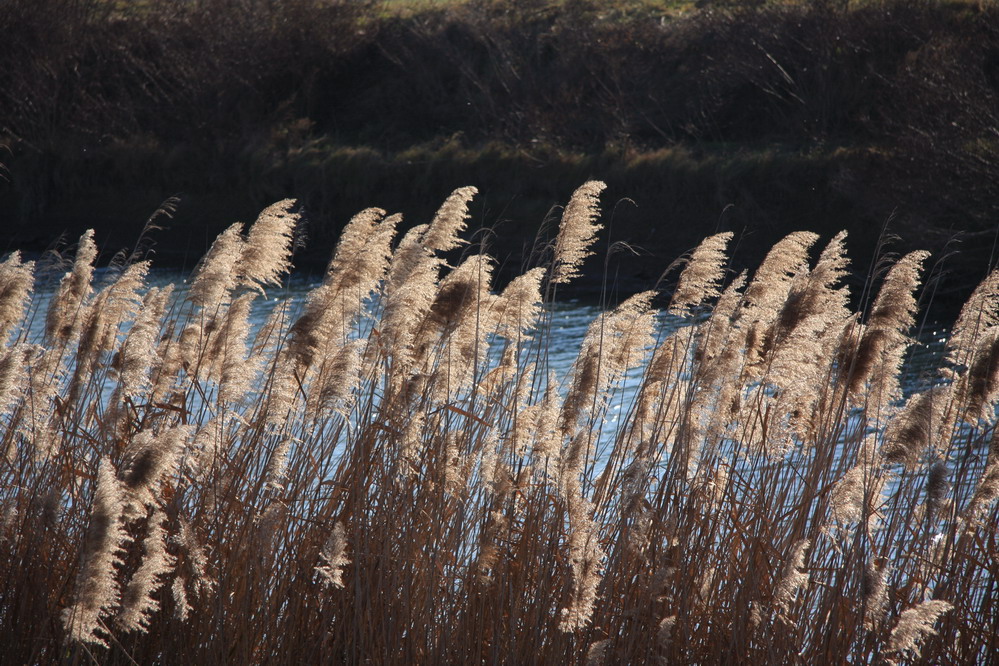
(572, 72)
(758, 118)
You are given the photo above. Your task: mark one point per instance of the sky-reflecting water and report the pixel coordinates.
(569, 322)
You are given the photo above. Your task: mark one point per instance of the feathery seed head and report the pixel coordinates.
(16, 283)
(979, 386)
(444, 232)
(772, 281)
(856, 494)
(915, 624)
(362, 253)
(792, 576)
(96, 583)
(985, 493)
(702, 275)
(138, 602)
(874, 590)
(937, 486)
(266, 254)
(229, 364)
(895, 306)
(519, 306)
(150, 458)
(576, 232)
(14, 365)
(66, 311)
(138, 351)
(333, 557)
(585, 556)
(915, 429)
(216, 276)
(979, 313)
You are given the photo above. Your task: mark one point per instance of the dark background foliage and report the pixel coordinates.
(755, 117)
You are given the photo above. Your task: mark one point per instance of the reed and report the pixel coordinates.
(392, 473)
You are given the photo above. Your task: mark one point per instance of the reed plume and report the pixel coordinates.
(444, 232)
(700, 278)
(140, 601)
(17, 279)
(915, 429)
(67, 309)
(151, 457)
(216, 276)
(978, 315)
(985, 493)
(585, 555)
(358, 266)
(792, 576)
(979, 385)
(138, 353)
(874, 590)
(334, 557)
(914, 625)
(773, 279)
(115, 305)
(228, 362)
(853, 497)
(336, 381)
(266, 253)
(97, 586)
(576, 232)
(519, 306)
(766, 295)
(891, 318)
(14, 364)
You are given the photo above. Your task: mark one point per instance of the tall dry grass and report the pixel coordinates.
(393, 473)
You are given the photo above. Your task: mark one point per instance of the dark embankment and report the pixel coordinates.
(760, 120)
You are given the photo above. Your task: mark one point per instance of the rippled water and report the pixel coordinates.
(569, 321)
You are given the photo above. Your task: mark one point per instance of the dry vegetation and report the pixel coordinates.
(392, 474)
(763, 116)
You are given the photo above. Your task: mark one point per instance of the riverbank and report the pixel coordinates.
(757, 119)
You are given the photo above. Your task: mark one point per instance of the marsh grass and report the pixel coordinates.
(393, 474)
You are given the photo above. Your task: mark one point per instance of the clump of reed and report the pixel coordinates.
(392, 473)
